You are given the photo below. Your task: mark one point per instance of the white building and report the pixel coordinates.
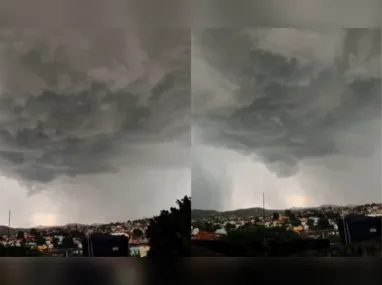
(315, 220)
(119, 234)
(221, 231)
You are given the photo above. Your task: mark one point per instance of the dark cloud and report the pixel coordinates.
(66, 126)
(283, 96)
(82, 103)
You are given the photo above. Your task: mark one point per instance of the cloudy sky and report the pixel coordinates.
(295, 114)
(94, 125)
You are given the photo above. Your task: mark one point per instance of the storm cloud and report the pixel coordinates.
(290, 112)
(96, 120)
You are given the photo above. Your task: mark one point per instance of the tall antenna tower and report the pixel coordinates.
(9, 227)
(264, 217)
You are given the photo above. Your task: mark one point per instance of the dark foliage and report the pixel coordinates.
(169, 233)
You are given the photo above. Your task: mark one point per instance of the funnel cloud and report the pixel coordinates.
(293, 113)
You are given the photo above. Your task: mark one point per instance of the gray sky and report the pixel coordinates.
(94, 125)
(292, 113)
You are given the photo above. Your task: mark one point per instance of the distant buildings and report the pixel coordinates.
(51, 240)
(205, 236)
(316, 223)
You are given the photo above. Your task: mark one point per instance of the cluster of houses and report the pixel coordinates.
(282, 221)
(307, 223)
(50, 240)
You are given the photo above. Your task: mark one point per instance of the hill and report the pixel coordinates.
(200, 214)
(243, 213)
(249, 212)
(13, 231)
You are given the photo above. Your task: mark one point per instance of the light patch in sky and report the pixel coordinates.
(45, 219)
(131, 194)
(39, 209)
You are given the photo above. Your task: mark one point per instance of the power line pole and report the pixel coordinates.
(264, 217)
(9, 231)
(9, 226)
(264, 229)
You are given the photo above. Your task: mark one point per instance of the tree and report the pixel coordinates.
(20, 234)
(258, 233)
(12, 251)
(67, 242)
(320, 215)
(206, 226)
(324, 224)
(209, 227)
(34, 232)
(77, 234)
(40, 240)
(295, 222)
(169, 233)
(310, 223)
(137, 233)
(55, 242)
(288, 213)
(275, 216)
(228, 227)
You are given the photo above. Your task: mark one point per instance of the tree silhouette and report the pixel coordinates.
(55, 242)
(258, 233)
(324, 224)
(275, 216)
(34, 232)
(206, 226)
(67, 242)
(20, 234)
(169, 233)
(310, 223)
(77, 234)
(228, 227)
(40, 240)
(295, 222)
(18, 251)
(137, 233)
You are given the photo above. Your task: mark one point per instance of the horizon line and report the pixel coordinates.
(283, 209)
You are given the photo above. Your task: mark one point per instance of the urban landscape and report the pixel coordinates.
(67, 240)
(243, 232)
(288, 226)
(100, 128)
(143, 237)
